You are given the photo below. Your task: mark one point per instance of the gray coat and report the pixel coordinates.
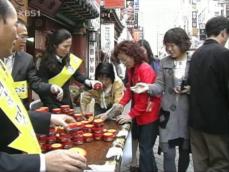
(176, 104)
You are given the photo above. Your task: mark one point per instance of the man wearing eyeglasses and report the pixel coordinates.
(23, 71)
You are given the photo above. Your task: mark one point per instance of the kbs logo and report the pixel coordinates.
(30, 13)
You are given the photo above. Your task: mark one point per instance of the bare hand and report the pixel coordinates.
(61, 120)
(121, 119)
(64, 161)
(186, 90)
(55, 89)
(140, 87)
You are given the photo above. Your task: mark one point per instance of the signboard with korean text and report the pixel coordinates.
(107, 38)
(128, 13)
(91, 61)
(40, 38)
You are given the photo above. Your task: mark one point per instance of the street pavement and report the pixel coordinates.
(159, 158)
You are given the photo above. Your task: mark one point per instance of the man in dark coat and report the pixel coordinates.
(209, 99)
(22, 68)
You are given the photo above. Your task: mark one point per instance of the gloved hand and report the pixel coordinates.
(61, 119)
(55, 89)
(140, 87)
(103, 116)
(121, 119)
(116, 110)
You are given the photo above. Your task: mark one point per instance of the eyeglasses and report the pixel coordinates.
(23, 37)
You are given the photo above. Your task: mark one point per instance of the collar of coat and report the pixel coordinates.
(170, 62)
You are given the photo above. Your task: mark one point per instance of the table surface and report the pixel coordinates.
(97, 149)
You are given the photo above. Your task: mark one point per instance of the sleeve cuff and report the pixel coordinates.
(87, 82)
(42, 163)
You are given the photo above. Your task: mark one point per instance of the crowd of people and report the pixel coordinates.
(183, 99)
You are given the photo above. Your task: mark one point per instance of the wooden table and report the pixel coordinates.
(97, 150)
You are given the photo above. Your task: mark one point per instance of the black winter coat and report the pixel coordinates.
(209, 80)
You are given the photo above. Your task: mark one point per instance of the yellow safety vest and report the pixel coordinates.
(21, 88)
(13, 108)
(67, 71)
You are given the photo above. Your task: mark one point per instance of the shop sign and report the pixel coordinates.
(111, 4)
(40, 40)
(194, 19)
(92, 47)
(194, 31)
(107, 37)
(128, 14)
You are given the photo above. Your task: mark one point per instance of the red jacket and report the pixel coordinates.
(141, 73)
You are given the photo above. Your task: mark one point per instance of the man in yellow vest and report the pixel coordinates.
(23, 71)
(16, 131)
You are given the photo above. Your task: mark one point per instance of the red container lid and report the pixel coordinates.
(78, 115)
(87, 135)
(79, 132)
(75, 124)
(42, 137)
(44, 108)
(98, 134)
(55, 146)
(98, 121)
(56, 110)
(65, 106)
(113, 131)
(71, 112)
(84, 122)
(41, 110)
(108, 134)
(76, 139)
(89, 126)
(98, 86)
(88, 114)
(65, 137)
(97, 129)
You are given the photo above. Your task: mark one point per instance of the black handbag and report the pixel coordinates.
(164, 117)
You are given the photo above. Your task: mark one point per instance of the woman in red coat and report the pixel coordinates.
(144, 109)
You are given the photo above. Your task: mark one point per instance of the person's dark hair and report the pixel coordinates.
(5, 10)
(179, 37)
(215, 25)
(131, 49)
(56, 38)
(146, 45)
(53, 39)
(105, 69)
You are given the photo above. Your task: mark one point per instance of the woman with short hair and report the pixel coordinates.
(109, 94)
(172, 83)
(144, 109)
